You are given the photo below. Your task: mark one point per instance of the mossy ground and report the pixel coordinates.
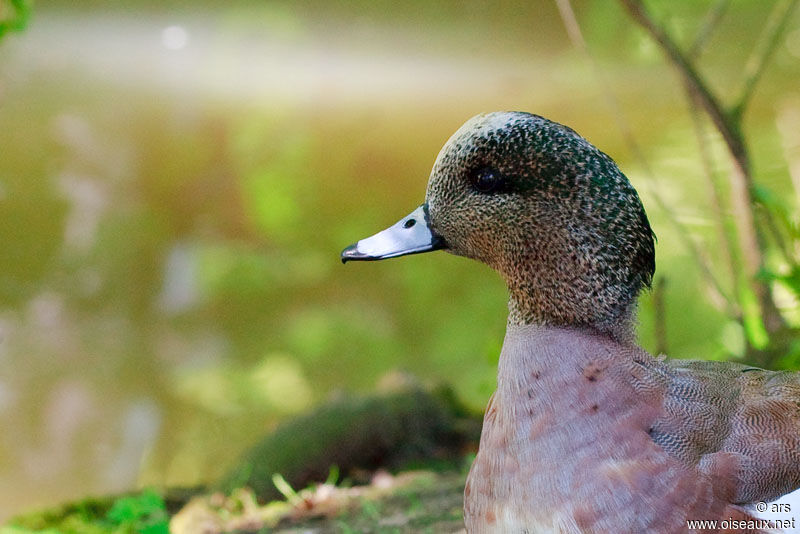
(144, 512)
(416, 501)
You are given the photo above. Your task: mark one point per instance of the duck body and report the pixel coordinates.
(587, 432)
(588, 435)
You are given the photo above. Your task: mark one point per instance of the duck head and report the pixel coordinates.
(543, 207)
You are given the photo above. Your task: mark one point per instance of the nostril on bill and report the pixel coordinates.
(409, 223)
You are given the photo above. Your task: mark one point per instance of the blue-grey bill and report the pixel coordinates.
(410, 235)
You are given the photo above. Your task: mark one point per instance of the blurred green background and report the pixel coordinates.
(177, 180)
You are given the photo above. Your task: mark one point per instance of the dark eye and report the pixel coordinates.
(487, 180)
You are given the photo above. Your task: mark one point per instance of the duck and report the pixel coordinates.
(587, 432)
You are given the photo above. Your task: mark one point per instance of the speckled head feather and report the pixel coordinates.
(551, 213)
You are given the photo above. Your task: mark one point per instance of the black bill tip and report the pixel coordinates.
(352, 253)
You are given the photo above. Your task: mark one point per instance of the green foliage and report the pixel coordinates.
(19, 18)
(752, 321)
(142, 513)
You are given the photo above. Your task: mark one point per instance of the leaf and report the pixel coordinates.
(286, 489)
(145, 513)
(19, 20)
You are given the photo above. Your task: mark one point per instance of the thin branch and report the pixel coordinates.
(762, 53)
(742, 190)
(788, 118)
(576, 36)
(727, 242)
(780, 241)
(723, 122)
(713, 17)
(660, 316)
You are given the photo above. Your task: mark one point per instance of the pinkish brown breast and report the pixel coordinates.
(567, 447)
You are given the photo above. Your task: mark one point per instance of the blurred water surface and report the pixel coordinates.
(176, 183)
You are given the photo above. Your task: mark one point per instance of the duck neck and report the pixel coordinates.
(547, 310)
(542, 361)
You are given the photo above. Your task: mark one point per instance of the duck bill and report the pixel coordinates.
(410, 235)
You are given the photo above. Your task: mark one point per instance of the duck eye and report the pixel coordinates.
(487, 180)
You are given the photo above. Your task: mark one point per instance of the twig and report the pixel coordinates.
(751, 243)
(725, 238)
(780, 241)
(713, 17)
(788, 118)
(576, 36)
(722, 120)
(660, 316)
(762, 53)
